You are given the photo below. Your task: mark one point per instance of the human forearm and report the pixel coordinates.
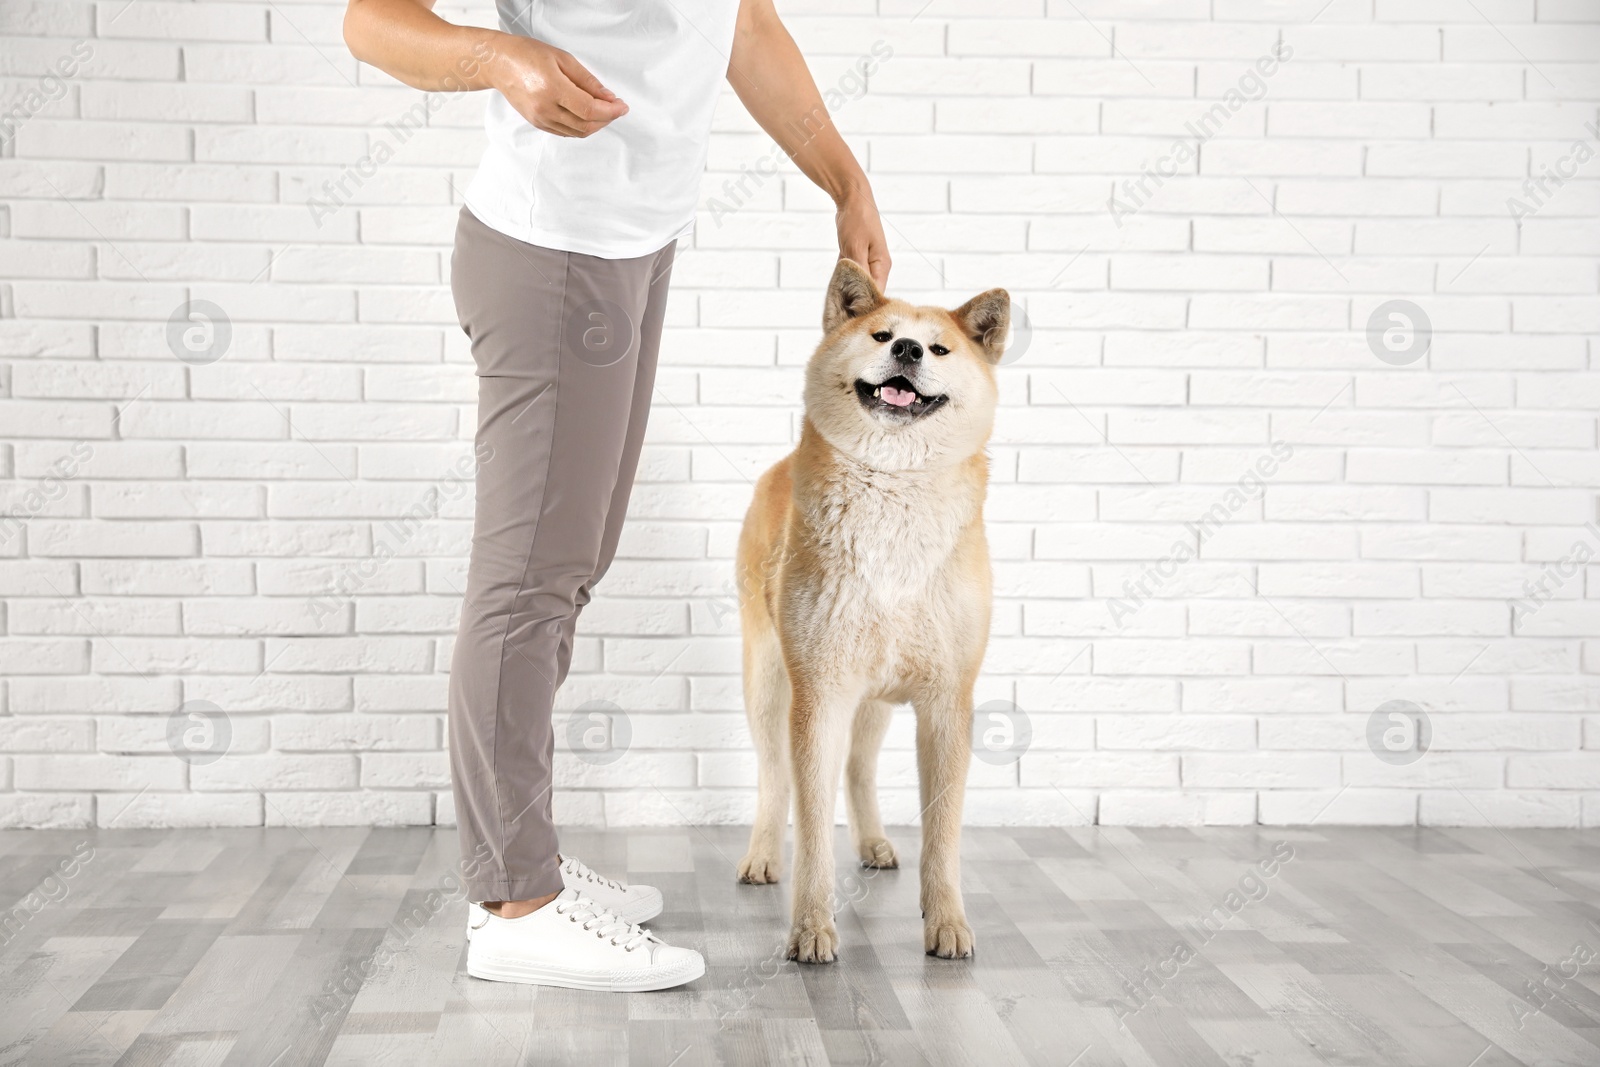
(407, 41)
(774, 84)
(548, 87)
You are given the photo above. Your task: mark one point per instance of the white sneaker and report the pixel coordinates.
(575, 943)
(633, 903)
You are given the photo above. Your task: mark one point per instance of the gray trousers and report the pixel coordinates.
(565, 346)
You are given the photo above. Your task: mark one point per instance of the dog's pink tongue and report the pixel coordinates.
(900, 398)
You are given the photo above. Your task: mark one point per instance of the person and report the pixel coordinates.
(599, 117)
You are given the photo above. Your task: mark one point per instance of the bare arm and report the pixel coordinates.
(772, 80)
(548, 87)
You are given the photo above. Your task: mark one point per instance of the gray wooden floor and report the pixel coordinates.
(1461, 948)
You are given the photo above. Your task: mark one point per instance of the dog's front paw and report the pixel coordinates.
(758, 869)
(814, 941)
(878, 853)
(949, 939)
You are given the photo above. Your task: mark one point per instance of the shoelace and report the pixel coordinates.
(603, 923)
(578, 869)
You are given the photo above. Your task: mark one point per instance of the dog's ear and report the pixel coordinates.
(986, 318)
(851, 294)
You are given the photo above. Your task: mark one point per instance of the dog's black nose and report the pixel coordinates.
(906, 350)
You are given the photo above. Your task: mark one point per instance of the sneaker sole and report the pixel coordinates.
(502, 970)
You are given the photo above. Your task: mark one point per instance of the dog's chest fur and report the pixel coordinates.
(881, 545)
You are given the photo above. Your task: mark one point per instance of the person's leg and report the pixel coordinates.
(644, 383)
(556, 394)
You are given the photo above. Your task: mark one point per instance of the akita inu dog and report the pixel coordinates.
(864, 582)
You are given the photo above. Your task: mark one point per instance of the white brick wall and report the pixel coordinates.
(207, 533)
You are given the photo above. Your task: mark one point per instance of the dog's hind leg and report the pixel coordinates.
(766, 698)
(861, 785)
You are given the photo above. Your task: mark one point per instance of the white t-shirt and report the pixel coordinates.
(630, 188)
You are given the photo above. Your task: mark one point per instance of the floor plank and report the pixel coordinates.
(1096, 946)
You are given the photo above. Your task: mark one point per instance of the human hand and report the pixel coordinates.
(861, 235)
(551, 89)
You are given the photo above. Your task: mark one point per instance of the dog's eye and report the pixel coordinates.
(882, 336)
(939, 350)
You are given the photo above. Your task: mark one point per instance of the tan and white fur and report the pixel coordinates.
(864, 583)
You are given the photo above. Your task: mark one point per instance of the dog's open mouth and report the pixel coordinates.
(896, 396)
